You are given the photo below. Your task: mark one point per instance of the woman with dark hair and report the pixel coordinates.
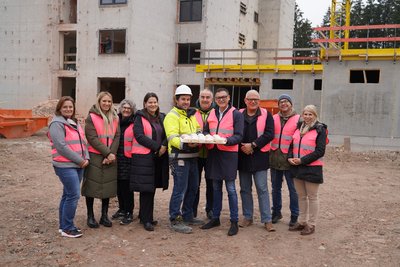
(149, 169)
(100, 179)
(127, 110)
(70, 156)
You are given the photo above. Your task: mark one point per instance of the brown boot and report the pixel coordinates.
(308, 230)
(297, 227)
(269, 227)
(245, 222)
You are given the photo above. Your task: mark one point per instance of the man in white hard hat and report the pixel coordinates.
(183, 161)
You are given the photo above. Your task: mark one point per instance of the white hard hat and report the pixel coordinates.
(183, 90)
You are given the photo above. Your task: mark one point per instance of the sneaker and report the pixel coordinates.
(180, 227)
(293, 220)
(245, 222)
(71, 233)
(118, 215)
(77, 229)
(193, 221)
(308, 230)
(128, 218)
(296, 227)
(269, 227)
(276, 217)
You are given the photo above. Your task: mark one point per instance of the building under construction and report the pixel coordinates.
(130, 47)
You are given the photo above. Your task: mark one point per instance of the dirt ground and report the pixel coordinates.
(358, 225)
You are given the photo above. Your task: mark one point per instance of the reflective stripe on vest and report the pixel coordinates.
(75, 140)
(261, 120)
(223, 128)
(148, 132)
(128, 139)
(283, 139)
(106, 138)
(305, 145)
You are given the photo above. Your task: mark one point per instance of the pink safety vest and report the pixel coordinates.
(224, 128)
(305, 145)
(148, 131)
(261, 126)
(199, 119)
(106, 139)
(283, 139)
(128, 140)
(75, 140)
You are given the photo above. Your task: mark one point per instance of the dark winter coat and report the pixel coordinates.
(100, 180)
(149, 171)
(222, 165)
(258, 161)
(312, 174)
(124, 163)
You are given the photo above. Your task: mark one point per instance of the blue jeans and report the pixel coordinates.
(71, 179)
(232, 197)
(186, 180)
(276, 179)
(246, 183)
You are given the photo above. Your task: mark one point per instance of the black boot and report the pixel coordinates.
(91, 221)
(211, 224)
(128, 218)
(104, 220)
(234, 229)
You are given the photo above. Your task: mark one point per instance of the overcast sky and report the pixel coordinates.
(314, 10)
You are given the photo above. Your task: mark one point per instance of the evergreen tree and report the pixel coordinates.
(302, 36)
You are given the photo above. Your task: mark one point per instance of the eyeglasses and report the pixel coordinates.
(221, 97)
(253, 99)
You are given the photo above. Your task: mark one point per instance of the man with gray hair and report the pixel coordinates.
(254, 158)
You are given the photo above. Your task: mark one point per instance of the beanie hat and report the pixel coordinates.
(285, 96)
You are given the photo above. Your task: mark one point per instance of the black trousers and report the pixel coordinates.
(125, 196)
(201, 162)
(146, 207)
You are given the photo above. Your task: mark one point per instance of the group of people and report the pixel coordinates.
(133, 151)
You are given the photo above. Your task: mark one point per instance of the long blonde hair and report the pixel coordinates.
(304, 127)
(110, 115)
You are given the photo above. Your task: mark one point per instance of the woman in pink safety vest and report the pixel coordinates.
(127, 110)
(70, 157)
(149, 169)
(100, 178)
(306, 157)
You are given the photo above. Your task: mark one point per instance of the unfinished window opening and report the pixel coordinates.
(243, 8)
(187, 53)
(282, 84)
(255, 44)
(112, 2)
(68, 87)
(364, 76)
(242, 39)
(112, 41)
(190, 10)
(69, 55)
(318, 84)
(255, 17)
(115, 86)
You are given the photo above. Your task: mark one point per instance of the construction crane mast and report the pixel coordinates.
(340, 10)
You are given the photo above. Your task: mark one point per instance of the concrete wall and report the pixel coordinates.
(369, 113)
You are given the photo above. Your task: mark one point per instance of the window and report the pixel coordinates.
(187, 53)
(255, 44)
(282, 84)
(242, 39)
(112, 41)
(115, 86)
(364, 76)
(318, 84)
(243, 8)
(112, 2)
(255, 17)
(190, 10)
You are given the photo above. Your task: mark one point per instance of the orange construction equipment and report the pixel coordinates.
(19, 123)
(270, 104)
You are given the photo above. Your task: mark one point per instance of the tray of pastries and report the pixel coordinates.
(202, 139)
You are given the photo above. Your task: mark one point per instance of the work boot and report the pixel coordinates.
(293, 220)
(269, 227)
(296, 227)
(308, 230)
(276, 217)
(234, 229)
(91, 221)
(211, 224)
(104, 220)
(245, 222)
